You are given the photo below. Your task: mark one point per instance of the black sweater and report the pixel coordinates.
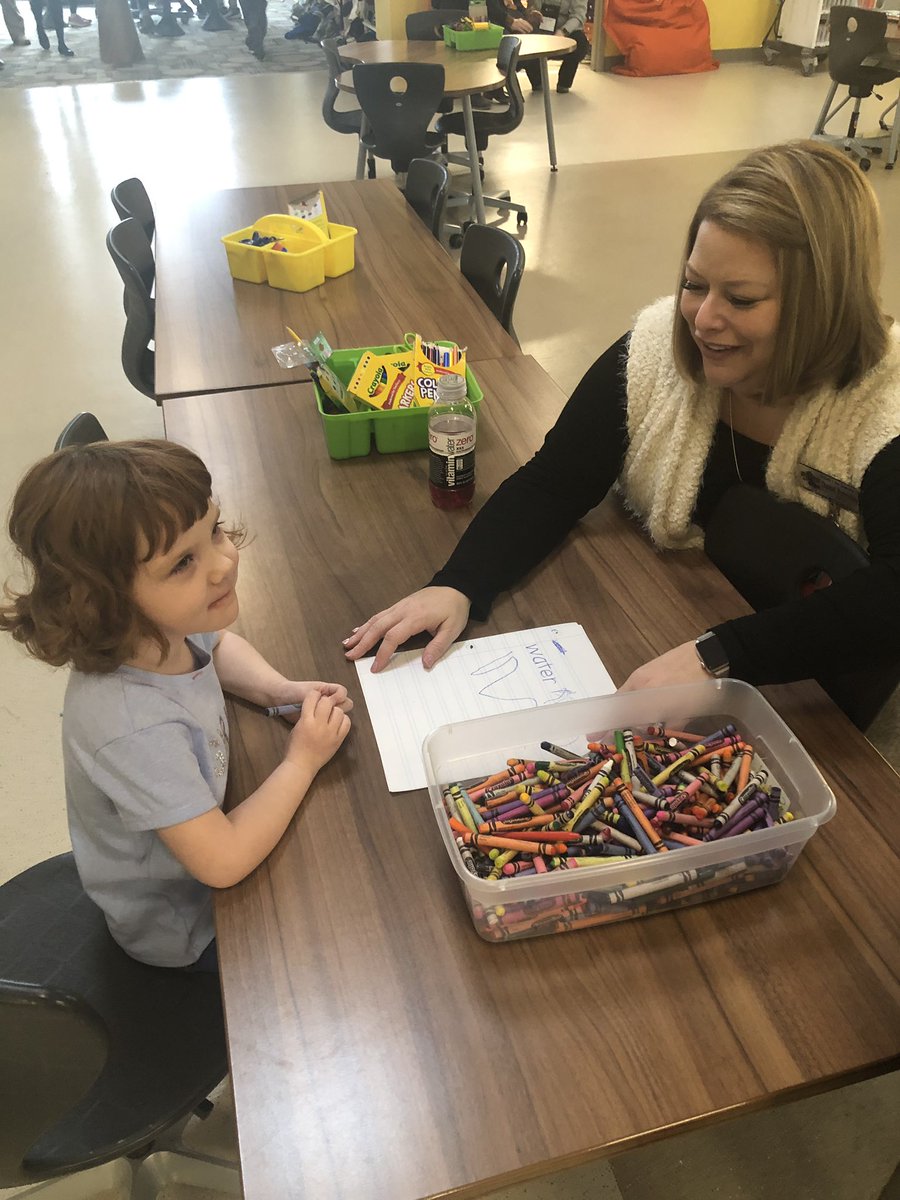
(853, 623)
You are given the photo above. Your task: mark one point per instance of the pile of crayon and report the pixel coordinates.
(636, 795)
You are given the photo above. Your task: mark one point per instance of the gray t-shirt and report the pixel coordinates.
(144, 751)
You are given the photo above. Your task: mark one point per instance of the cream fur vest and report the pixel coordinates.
(671, 423)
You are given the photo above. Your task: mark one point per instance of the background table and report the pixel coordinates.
(462, 71)
(215, 333)
(379, 1049)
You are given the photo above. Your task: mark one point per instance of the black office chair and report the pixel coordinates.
(773, 552)
(493, 262)
(342, 120)
(130, 199)
(490, 124)
(398, 120)
(429, 26)
(856, 34)
(427, 181)
(130, 250)
(100, 1056)
(81, 431)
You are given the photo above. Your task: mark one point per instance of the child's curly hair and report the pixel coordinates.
(81, 520)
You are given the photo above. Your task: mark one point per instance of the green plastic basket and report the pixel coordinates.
(349, 435)
(473, 39)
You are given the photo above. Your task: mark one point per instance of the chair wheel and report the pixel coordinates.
(864, 164)
(455, 241)
(521, 220)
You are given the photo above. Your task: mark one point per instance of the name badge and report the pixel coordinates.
(835, 492)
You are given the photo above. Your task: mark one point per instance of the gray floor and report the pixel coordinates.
(603, 238)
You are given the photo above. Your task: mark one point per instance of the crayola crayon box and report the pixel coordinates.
(401, 380)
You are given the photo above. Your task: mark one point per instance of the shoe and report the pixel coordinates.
(76, 22)
(562, 91)
(23, 41)
(537, 87)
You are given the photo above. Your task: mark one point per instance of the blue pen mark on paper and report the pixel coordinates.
(559, 646)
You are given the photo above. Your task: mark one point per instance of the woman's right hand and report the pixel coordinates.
(441, 611)
(319, 732)
(520, 25)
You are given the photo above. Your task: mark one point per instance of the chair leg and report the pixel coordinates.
(361, 162)
(824, 115)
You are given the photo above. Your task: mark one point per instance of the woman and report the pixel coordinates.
(773, 357)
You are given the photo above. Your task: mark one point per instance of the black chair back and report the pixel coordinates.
(504, 120)
(399, 101)
(429, 26)
(493, 262)
(131, 252)
(81, 431)
(139, 1048)
(427, 181)
(774, 552)
(130, 199)
(343, 122)
(855, 35)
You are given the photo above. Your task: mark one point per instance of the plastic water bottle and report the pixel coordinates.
(451, 445)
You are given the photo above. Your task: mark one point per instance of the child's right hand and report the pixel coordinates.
(322, 727)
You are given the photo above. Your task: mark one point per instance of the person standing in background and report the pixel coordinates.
(14, 23)
(75, 21)
(256, 20)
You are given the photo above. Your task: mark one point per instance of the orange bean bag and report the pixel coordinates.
(660, 37)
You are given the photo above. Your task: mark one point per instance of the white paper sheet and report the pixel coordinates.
(476, 678)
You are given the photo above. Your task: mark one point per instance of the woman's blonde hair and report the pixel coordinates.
(817, 214)
(82, 519)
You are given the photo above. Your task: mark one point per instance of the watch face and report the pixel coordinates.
(712, 654)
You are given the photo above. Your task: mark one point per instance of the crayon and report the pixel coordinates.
(566, 755)
(282, 710)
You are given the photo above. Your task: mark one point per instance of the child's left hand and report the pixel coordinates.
(296, 691)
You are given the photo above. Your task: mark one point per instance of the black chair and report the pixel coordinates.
(856, 34)
(427, 181)
(81, 431)
(773, 552)
(100, 1056)
(397, 119)
(428, 26)
(342, 120)
(131, 252)
(491, 124)
(493, 261)
(130, 199)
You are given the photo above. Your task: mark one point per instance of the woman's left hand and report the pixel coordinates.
(680, 665)
(295, 692)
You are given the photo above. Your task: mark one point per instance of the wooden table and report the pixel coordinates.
(465, 74)
(379, 1049)
(216, 333)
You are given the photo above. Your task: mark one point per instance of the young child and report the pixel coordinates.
(133, 583)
